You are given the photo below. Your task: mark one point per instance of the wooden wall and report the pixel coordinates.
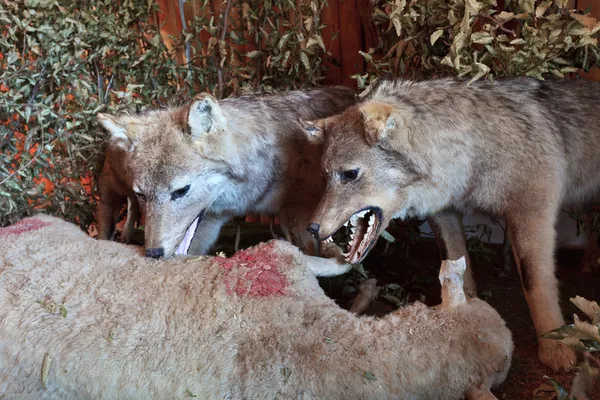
(348, 30)
(594, 5)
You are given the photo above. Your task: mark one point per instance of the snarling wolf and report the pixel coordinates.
(195, 167)
(518, 148)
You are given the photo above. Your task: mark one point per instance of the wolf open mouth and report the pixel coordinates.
(184, 246)
(358, 233)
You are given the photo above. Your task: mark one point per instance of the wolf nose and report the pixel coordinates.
(313, 228)
(155, 253)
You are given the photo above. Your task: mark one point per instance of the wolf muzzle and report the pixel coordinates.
(155, 253)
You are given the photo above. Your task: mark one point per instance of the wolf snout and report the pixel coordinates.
(313, 228)
(155, 253)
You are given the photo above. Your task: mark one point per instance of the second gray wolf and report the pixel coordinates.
(520, 148)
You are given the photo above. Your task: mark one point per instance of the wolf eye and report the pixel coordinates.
(350, 175)
(179, 193)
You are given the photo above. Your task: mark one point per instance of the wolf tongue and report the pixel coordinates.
(187, 239)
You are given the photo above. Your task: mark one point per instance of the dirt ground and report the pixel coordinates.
(410, 273)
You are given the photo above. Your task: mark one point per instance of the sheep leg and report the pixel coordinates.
(367, 293)
(452, 281)
(332, 262)
(449, 233)
(325, 266)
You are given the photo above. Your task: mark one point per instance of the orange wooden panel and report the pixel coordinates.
(351, 41)
(331, 38)
(594, 5)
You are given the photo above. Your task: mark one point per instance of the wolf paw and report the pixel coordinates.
(556, 356)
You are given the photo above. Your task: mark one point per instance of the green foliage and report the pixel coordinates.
(471, 38)
(63, 62)
(580, 336)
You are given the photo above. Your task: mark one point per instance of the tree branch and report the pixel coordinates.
(223, 35)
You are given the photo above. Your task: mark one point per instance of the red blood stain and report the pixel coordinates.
(254, 272)
(26, 225)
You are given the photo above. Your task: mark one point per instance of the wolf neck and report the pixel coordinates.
(256, 159)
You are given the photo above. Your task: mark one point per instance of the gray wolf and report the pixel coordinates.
(195, 167)
(517, 147)
(89, 319)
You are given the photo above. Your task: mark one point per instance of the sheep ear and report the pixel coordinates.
(314, 130)
(118, 130)
(205, 116)
(380, 123)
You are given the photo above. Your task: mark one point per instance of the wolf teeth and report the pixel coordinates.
(361, 214)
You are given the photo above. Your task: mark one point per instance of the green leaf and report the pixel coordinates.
(527, 5)
(305, 61)
(253, 54)
(482, 38)
(589, 308)
(562, 393)
(366, 56)
(388, 236)
(435, 36)
(283, 40)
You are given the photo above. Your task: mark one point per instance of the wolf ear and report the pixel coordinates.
(117, 129)
(314, 130)
(380, 122)
(205, 116)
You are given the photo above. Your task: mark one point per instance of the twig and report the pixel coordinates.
(99, 77)
(36, 86)
(160, 102)
(184, 29)
(223, 34)
(109, 87)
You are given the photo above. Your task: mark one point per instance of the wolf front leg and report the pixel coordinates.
(109, 206)
(207, 234)
(531, 233)
(448, 229)
(133, 213)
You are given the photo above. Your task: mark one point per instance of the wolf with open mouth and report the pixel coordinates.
(518, 148)
(195, 167)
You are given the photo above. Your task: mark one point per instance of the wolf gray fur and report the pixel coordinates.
(210, 160)
(517, 147)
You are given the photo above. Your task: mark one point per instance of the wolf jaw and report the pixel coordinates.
(184, 246)
(360, 233)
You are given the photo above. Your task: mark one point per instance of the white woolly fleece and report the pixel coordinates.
(87, 319)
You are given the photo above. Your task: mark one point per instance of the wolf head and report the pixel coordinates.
(372, 174)
(178, 166)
